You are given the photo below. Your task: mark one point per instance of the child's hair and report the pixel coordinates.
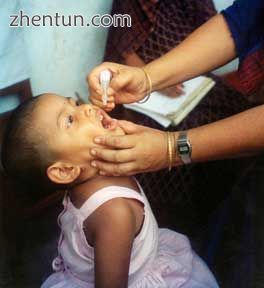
(25, 153)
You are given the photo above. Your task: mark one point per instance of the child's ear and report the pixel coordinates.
(63, 173)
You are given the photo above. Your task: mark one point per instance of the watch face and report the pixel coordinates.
(184, 149)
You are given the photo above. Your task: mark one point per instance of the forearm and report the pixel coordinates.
(242, 134)
(207, 48)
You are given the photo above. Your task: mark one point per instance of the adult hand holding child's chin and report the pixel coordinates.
(141, 149)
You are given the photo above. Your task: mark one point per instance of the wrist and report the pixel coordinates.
(151, 75)
(168, 77)
(148, 86)
(162, 152)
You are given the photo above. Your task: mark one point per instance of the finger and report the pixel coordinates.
(119, 142)
(97, 102)
(114, 68)
(130, 127)
(110, 92)
(120, 81)
(180, 89)
(95, 95)
(99, 92)
(111, 169)
(94, 82)
(93, 78)
(114, 156)
(109, 107)
(110, 98)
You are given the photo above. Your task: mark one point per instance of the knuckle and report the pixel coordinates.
(116, 157)
(96, 103)
(118, 170)
(98, 153)
(130, 169)
(104, 167)
(116, 141)
(125, 171)
(103, 141)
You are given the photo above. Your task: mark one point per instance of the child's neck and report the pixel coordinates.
(81, 192)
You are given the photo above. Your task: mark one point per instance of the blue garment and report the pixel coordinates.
(245, 19)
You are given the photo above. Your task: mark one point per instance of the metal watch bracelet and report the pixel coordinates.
(184, 147)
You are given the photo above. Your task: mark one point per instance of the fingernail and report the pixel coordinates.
(97, 140)
(93, 163)
(102, 173)
(93, 152)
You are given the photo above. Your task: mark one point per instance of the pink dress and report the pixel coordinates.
(160, 257)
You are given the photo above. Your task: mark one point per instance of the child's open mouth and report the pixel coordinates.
(106, 121)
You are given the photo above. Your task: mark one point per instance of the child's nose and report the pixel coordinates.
(87, 110)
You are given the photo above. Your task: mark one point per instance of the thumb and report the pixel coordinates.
(93, 77)
(120, 80)
(130, 127)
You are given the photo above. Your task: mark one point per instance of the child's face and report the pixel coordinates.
(69, 128)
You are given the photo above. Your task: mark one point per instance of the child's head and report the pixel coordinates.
(48, 140)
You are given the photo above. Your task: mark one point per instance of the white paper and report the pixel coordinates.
(172, 110)
(162, 120)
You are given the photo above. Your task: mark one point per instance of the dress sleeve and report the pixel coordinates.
(245, 20)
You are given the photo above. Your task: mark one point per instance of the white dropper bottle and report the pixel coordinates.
(105, 77)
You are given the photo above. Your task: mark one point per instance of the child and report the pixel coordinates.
(109, 236)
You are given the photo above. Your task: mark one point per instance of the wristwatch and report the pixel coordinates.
(184, 147)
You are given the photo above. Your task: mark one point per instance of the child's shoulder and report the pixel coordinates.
(116, 212)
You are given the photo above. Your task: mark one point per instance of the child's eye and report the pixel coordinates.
(69, 121)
